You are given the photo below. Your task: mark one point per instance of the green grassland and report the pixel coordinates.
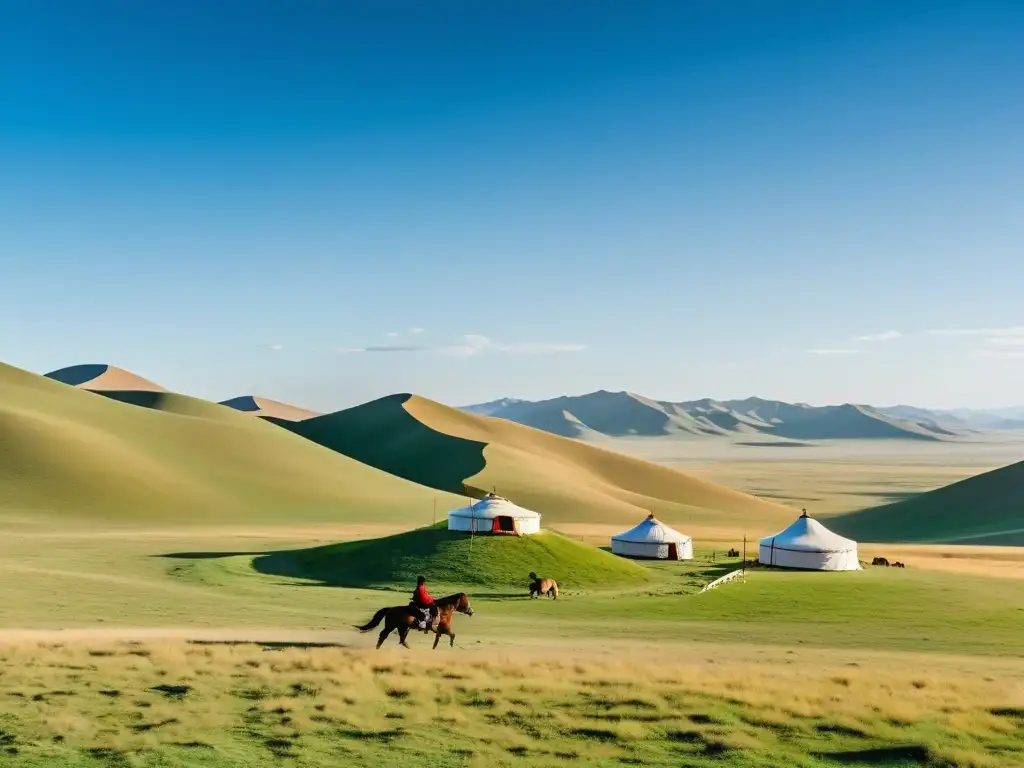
(209, 704)
(454, 559)
(131, 523)
(858, 661)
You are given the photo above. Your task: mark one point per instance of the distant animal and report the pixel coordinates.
(405, 617)
(734, 553)
(879, 561)
(898, 564)
(539, 586)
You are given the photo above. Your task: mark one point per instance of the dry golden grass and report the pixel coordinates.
(239, 704)
(996, 562)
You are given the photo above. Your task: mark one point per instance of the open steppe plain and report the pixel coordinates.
(164, 645)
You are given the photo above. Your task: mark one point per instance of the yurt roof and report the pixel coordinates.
(491, 507)
(806, 534)
(652, 531)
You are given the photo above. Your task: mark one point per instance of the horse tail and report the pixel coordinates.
(377, 618)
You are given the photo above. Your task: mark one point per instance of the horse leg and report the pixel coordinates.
(383, 635)
(437, 636)
(452, 635)
(403, 632)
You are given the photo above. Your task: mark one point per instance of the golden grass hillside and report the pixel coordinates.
(86, 457)
(563, 479)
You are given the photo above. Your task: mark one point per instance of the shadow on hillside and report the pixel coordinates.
(384, 435)
(208, 555)
(889, 497)
(138, 397)
(76, 375)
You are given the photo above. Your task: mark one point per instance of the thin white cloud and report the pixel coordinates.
(392, 334)
(540, 348)
(470, 344)
(417, 330)
(1012, 330)
(383, 348)
(1006, 341)
(837, 352)
(883, 336)
(272, 347)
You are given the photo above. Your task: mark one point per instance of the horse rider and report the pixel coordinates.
(424, 603)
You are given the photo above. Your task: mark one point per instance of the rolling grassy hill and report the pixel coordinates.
(450, 558)
(985, 509)
(80, 456)
(565, 480)
(624, 414)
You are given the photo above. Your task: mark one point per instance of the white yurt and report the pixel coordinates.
(494, 514)
(810, 545)
(653, 539)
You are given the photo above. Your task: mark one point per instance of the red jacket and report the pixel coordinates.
(420, 596)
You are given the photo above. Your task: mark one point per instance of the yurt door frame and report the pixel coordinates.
(673, 551)
(504, 524)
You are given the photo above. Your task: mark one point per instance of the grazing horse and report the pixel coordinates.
(539, 586)
(403, 618)
(879, 561)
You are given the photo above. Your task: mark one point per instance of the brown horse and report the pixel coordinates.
(539, 586)
(404, 618)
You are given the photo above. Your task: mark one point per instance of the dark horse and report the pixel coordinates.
(404, 618)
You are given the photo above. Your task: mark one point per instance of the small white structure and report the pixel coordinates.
(494, 514)
(653, 539)
(809, 545)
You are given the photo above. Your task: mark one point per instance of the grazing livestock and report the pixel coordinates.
(539, 586)
(880, 561)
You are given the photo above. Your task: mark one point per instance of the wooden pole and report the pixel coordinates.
(744, 567)
(435, 512)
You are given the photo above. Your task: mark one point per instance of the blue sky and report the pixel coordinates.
(329, 202)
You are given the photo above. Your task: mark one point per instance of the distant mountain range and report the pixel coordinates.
(625, 414)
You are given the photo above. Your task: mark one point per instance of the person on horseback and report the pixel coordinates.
(424, 603)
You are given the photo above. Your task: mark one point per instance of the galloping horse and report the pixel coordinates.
(403, 618)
